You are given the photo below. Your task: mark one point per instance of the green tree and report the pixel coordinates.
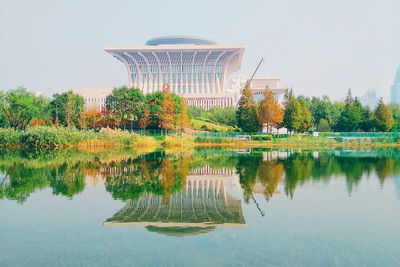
(127, 103)
(323, 126)
(322, 108)
(246, 113)
(383, 117)
(306, 119)
(18, 107)
(293, 114)
(368, 120)
(67, 108)
(351, 116)
(396, 115)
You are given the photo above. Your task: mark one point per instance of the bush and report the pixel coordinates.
(53, 136)
(10, 137)
(323, 126)
(261, 137)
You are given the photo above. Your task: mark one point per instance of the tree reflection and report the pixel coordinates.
(153, 173)
(128, 177)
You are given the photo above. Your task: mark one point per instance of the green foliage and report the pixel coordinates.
(305, 118)
(224, 116)
(128, 175)
(66, 109)
(384, 117)
(18, 107)
(210, 126)
(396, 115)
(323, 126)
(10, 137)
(44, 136)
(351, 117)
(324, 109)
(127, 103)
(246, 113)
(54, 136)
(368, 123)
(261, 137)
(292, 118)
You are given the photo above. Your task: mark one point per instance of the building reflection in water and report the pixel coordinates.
(209, 199)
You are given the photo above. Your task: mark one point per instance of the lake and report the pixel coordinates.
(206, 207)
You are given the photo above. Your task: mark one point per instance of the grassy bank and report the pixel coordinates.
(50, 137)
(59, 137)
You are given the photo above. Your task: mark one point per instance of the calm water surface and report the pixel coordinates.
(200, 208)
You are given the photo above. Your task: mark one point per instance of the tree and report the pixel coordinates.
(351, 116)
(383, 117)
(184, 121)
(269, 111)
(396, 115)
(145, 120)
(246, 113)
(296, 116)
(109, 119)
(292, 117)
(323, 126)
(91, 118)
(368, 120)
(127, 103)
(18, 107)
(167, 116)
(67, 108)
(305, 118)
(322, 108)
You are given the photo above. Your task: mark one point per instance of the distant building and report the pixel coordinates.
(195, 68)
(95, 98)
(258, 85)
(237, 83)
(395, 92)
(370, 99)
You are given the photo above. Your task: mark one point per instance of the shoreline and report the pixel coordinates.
(58, 137)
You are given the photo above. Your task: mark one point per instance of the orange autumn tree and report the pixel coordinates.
(37, 122)
(166, 115)
(269, 111)
(91, 118)
(145, 120)
(184, 121)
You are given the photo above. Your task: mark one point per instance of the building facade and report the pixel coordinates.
(395, 92)
(258, 85)
(370, 99)
(94, 98)
(195, 68)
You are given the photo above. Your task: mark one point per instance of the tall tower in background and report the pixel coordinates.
(395, 93)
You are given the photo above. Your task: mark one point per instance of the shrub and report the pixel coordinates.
(261, 137)
(10, 137)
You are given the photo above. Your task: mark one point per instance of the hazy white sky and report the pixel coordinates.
(316, 46)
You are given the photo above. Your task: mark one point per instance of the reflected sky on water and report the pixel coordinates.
(204, 207)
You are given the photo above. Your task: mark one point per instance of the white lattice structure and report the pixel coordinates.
(195, 68)
(258, 85)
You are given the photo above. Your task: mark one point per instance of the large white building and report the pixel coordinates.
(195, 68)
